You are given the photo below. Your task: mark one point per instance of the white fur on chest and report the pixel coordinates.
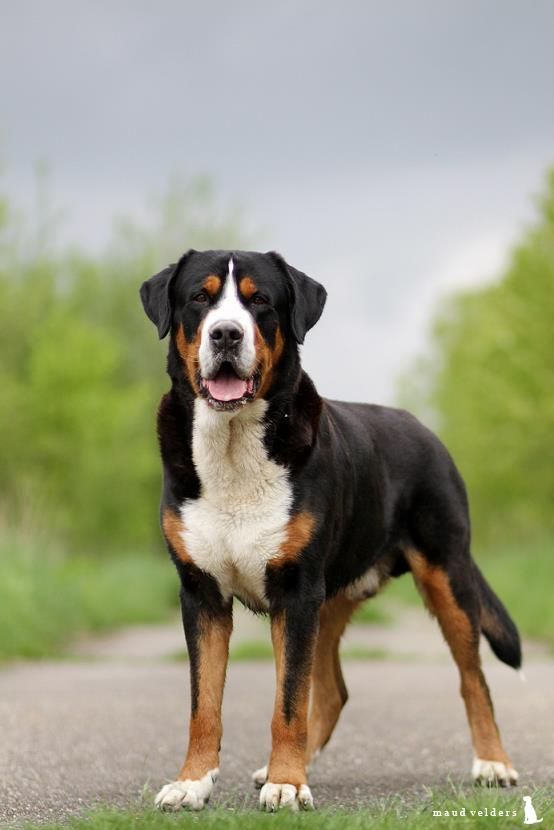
(239, 521)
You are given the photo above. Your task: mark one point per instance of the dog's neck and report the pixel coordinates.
(287, 419)
(292, 422)
(230, 454)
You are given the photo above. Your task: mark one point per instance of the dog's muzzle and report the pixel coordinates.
(226, 337)
(227, 382)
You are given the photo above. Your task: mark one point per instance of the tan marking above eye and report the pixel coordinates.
(211, 285)
(247, 287)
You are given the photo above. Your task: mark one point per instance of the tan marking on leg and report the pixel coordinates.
(463, 641)
(189, 355)
(299, 532)
(205, 724)
(212, 284)
(247, 287)
(173, 528)
(287, 764)
(329, 693)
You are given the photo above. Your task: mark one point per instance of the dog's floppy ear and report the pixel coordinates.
(307, 298)
(155, 294)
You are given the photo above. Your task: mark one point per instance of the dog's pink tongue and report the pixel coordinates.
(226, 388)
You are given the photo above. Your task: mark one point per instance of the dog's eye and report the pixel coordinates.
(202, 297)
(258, 299)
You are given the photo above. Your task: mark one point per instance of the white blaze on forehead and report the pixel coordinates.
(229, 307)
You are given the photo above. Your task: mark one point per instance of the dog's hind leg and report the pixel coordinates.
(458, 614)
(328, 689)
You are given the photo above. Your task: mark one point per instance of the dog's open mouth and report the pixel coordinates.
(227, 389)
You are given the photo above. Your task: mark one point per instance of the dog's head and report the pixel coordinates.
(235, 317)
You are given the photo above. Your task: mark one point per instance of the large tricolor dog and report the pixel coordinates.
(301, 508)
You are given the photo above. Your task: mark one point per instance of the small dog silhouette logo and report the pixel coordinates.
(530, 812)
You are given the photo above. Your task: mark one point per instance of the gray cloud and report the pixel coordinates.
(390, 148)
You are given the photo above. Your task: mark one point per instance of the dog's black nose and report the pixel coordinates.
(226, 335)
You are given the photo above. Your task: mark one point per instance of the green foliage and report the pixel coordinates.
(521, 574)
(81, 370)
(372, 613)
(523, 577)
(490, 384)
(48, 597)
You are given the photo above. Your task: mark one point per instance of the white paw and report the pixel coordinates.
(187, 795)
(493, 773)
(259, 777)
(278, 796)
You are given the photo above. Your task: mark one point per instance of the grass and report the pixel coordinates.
(262, 650)
(46, 597)
(251, 650)
(372, 613)
(385, 815)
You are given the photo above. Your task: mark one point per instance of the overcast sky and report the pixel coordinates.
(390, 149)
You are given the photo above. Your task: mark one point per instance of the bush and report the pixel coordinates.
(81, 372)
(489, 385)
(47, 596)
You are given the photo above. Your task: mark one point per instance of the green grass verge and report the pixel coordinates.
(262, 650)
(46, 598)
(251, 650)
(459, 810)
(372, 612)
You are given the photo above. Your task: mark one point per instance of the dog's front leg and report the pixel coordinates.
(208, 624)
(293, 632)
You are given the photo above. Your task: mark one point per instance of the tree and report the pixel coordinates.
(490, 385)
(81, 370)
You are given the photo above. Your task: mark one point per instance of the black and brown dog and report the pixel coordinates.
(302, 508)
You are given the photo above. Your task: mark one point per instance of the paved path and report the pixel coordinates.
(83, 732)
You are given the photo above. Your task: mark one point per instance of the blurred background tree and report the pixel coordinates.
(488, 386)
(81, 370)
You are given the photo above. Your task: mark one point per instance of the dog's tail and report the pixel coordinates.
(497, 625)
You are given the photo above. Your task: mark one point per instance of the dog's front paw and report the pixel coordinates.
(188, 794)
(285, 796)
(259, 777)
(493, 773)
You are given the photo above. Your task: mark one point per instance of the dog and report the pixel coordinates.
(530, 812)
(301, 508)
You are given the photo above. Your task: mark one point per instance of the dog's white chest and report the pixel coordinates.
(239, 521)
